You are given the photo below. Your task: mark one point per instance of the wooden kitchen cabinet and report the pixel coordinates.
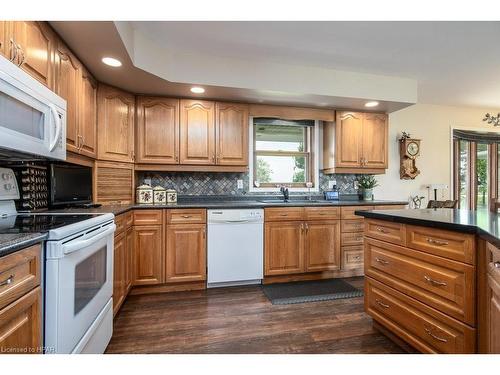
(197, 132)
(129, 238)
(231, 133)
(87, 122)
(115, 119)
(148, 255)
(158, 130)
(34, 47)
(356, 143)
(283, 248)
(186, 253)
(322, 245)
(119, 270)
(4, 40)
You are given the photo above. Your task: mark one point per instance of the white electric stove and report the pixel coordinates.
(78, 282)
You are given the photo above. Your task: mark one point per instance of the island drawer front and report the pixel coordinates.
(352, 257)
(390, 207)
(347, 212)
(322, 213)
(19, 273)
(188, 215)
(148, 217)
(444, 243)
(421, 326)
(351, 239)
(284, 213)
(446, 285)
(386, 231)
(352, 226)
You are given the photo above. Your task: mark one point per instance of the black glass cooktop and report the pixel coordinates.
(26, 223)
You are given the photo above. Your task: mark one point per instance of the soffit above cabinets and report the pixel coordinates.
(151, 68)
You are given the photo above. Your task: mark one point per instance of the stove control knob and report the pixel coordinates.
(5, 176)
(7, 187)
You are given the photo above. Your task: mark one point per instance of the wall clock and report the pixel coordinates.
(409, 149)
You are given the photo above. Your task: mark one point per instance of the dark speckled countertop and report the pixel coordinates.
(483, 223)
(12, 242)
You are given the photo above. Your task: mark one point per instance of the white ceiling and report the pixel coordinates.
(455, 63)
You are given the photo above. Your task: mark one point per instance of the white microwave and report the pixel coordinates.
(32, 117)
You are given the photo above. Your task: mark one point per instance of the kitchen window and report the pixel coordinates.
(283, 154)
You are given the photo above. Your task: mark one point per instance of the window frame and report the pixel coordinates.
(312, 160)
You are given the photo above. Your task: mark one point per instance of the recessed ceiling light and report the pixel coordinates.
(111, 62)
(197, 90)
(371, 104)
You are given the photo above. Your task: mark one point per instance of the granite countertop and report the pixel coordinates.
(228, 204)
(483, 223)
(11, 242)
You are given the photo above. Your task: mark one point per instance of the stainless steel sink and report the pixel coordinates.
(293, 201)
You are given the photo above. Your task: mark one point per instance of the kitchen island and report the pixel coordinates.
(433, 278)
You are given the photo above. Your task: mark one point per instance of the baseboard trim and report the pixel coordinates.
(313, 276)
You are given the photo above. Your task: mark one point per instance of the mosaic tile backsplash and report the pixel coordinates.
(203, 183)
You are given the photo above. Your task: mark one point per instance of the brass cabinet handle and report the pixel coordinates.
(307, 228)
(7, 281)
(434, 282)
(83, 143)
(384, 305)
(382, 230)
(497, 264)
(13, 50)
(429, 332)
(381, 261)
(22, 55)
(176, 158)
(283, 214)
(186, 216)
(357, 257)
(302, 227)
(437, 242)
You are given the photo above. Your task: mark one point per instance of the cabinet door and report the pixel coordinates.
(197, 132)
(67, 78)
(148, 255)
(21, 324)
(348, 140)
(322, 245)
(493, 312)
(115, 119)
(36, 45)
(283, 248)
(157, 130)
(88, 115)
(129, 257)
(375, 140)
(186, 253)
(119, 271)
(231, 133)
(4, 40)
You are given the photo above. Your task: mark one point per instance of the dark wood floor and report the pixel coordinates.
(242, 320)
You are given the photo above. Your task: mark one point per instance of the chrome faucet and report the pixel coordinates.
(284, 191)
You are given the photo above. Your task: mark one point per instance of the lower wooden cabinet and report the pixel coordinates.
(129, 238)
(322, 246)
(186, 253)
(489, 299)
(494, 315)
(148, 255)
(21, 325)
(119, 270)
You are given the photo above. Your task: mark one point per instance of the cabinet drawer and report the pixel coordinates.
(352, 226)
(19, 273)
(446, 285)
(147, 217)
(390, 207)
(347, 212)
(194, 216)
(283, 214)
(129, 219)
(421, 326)
(451, 245)
(386, 231)
(322, 213)
(350, 239)
(352, 257)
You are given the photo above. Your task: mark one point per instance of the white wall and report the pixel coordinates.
(431, 124)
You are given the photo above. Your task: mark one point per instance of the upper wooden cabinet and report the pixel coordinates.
(87, 124)
(231, 133)
(115, 119)
(197, 132)
(4, 42)
(356, 143)
(33, 44)
(157, 130)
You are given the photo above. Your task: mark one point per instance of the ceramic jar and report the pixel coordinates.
(144, 194)
(171, 196)
(159, 195)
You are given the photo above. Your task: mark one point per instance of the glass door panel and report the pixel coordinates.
(482, 167)
(463, 174)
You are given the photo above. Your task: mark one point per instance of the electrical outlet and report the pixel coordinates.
(355, 185)
(240, 184)
(147, 181)
(331, 184)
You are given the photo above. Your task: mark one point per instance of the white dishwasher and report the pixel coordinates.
(235, 247)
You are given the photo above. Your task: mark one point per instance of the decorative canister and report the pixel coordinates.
(159, 195)
(144, 194)
(171, 196)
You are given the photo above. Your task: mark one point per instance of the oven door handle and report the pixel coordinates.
(74, 246)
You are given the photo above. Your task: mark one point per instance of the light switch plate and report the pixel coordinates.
(331, 184)
(355, 185)
(240, 184)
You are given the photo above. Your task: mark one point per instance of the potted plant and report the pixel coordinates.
(366, 184)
